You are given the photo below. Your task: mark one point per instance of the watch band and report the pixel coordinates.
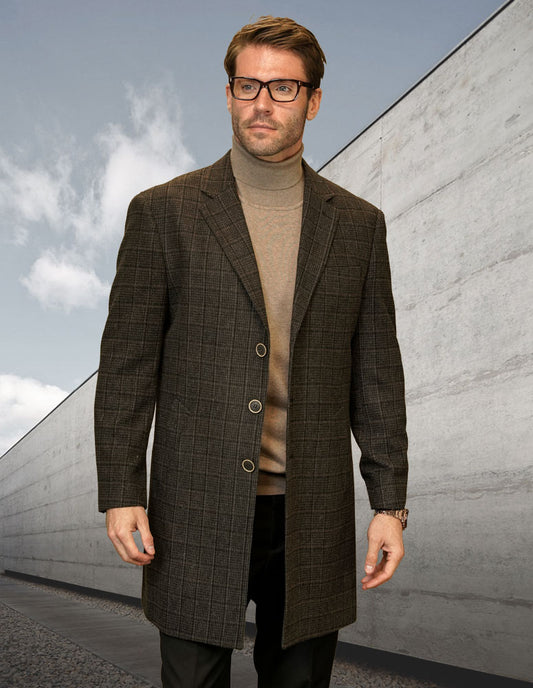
(400, 514)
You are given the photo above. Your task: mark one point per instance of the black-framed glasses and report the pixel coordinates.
(280, 90)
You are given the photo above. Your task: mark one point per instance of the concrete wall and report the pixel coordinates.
(451, 166)
(49, 520)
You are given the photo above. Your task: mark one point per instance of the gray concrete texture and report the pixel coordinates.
(451, 166)
(50, 525)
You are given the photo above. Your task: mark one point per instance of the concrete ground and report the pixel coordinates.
(59, 638)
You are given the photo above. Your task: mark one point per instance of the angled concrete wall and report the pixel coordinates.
(49, 520)
(451, 165)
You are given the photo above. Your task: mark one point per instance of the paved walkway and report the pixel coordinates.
(59, 638)
(124, 644)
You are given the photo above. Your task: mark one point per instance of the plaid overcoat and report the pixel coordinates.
(186, 315)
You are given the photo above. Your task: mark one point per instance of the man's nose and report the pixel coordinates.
(263, 102)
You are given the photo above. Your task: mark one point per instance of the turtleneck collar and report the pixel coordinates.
(261, 174)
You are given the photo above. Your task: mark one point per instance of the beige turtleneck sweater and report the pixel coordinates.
(272, 198)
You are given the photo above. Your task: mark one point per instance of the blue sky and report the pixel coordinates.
(102, 99)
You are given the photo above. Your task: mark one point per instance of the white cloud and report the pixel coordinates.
(19, 236)
(34, 195)
(23, 403)
(57, 282)
(152, 155)
(90, 214)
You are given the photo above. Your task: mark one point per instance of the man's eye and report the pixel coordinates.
(249, 87)
(285, 88)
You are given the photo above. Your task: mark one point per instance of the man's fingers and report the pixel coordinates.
(382, 572)
(122, 547)
(121, 524)
(146, 536)
(384, 533)
(372, 573)
(372, 556)
(133, 552)
(127, 548)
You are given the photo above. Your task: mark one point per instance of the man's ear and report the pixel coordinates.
(229, 97)
(313, 106)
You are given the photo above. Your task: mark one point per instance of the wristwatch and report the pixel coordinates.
(400, 514)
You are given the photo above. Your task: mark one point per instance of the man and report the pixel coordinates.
(252, 306)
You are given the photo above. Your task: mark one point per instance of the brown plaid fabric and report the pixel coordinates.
(185, 315)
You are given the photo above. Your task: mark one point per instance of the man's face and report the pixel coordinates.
(267, 129)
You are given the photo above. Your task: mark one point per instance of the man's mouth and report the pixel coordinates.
(261, 125)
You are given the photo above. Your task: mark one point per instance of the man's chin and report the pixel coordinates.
(259, 147)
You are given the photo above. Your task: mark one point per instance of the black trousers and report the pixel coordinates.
(187, 664)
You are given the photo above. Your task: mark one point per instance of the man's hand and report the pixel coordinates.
(385, 533)
(121, 523)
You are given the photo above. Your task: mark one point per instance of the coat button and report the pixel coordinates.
(260, 350)
(255, 406)
(248, 465)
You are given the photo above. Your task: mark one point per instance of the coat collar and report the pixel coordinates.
(223, 213)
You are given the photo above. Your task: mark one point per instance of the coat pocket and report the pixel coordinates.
(172, 414)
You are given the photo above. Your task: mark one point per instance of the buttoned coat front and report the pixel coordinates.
(186, 315)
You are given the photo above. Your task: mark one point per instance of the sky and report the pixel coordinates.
(103, 99)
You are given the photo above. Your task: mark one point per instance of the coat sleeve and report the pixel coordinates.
(129, 362)
(377, 388)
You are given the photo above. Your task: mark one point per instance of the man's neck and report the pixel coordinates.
(256, 172)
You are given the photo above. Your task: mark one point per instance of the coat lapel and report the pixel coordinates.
(318, 225)
(223, 213)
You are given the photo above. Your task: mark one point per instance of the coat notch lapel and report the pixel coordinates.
(223, 213)
(318, 227)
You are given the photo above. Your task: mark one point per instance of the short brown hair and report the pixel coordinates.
(282, 33)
